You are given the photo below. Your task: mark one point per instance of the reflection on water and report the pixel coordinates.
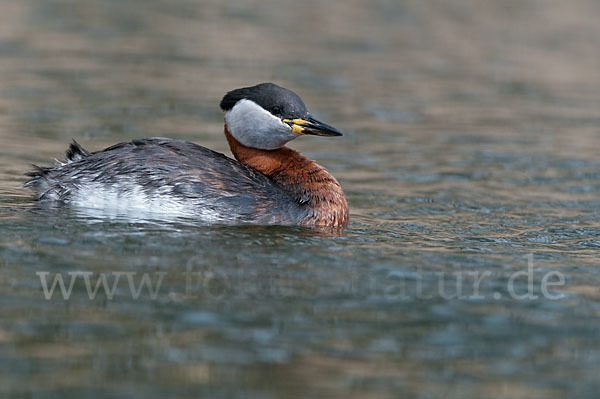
(470, 154)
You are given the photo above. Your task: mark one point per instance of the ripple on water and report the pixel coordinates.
(454, 163)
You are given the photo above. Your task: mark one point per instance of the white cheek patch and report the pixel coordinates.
(255, 127)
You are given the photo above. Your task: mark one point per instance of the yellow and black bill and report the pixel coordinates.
(310, 125)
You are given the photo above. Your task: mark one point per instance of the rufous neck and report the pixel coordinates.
(301, 177)
(265, 161)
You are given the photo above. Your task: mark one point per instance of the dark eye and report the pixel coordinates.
(276, 110)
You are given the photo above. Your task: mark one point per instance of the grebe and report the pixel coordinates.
(268, 184)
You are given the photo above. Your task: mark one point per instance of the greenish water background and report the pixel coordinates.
(471, 148)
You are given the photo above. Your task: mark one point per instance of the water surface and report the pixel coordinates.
(470, 154)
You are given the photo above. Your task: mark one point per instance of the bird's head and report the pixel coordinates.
(267, 116)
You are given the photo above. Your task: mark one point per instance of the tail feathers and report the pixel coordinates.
(37, 172)
(43, 181)
(76, 152)
(39, 181)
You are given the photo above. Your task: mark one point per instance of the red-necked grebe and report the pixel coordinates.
(268, 184)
